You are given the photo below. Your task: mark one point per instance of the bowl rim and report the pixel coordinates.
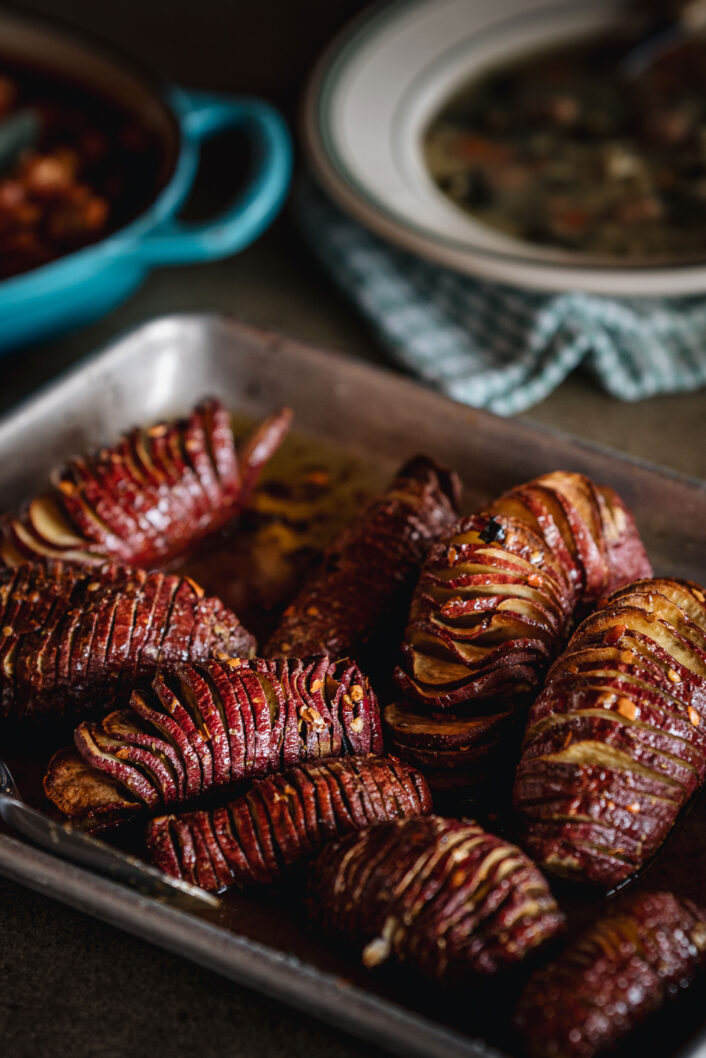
(497, 265)
(176, 183)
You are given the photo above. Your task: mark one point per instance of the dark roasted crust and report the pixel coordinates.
(620, 970)
(615, 744)
(365, 568)
(494, 600)
(454, 751)
(284, 819)
(147, 499)
(487, 617)
(218, 724)
(72, 638)
(440, 894)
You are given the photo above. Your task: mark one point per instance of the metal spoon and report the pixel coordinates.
(70, 844)
(689, 22)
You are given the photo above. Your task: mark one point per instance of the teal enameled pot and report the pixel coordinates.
(84, 285)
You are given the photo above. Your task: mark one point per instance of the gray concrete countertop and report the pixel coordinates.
(69, 985)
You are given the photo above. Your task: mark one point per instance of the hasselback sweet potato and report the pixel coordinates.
(209, 726)
(284, 819)
(615, 744)
(72, 638)
(147, 499)
(623, 967)
(439, 894)
(588, 528)
(495, 598)
(362, 572)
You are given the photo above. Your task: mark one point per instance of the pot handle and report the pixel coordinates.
(178, 242)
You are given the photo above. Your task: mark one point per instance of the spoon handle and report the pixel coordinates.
(18, 133)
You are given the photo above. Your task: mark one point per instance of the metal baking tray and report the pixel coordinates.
(379, 419)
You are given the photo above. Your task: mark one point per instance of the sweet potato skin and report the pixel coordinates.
(615, 744)
(606, 982)
(72, 638)
(147, 499)
(492, 609)
(297, 812)
(495, 599)
(456, 751)
(366, 567)
(473, 635)
(439, 894)
(216, 725)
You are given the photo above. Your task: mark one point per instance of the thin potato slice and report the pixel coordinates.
(615, 744)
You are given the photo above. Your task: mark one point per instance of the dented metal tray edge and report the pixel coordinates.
(94, 385)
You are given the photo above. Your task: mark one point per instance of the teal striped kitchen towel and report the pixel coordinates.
(497, 347)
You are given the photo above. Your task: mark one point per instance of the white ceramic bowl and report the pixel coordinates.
(372, 96)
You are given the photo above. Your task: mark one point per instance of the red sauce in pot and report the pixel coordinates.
(90, 171)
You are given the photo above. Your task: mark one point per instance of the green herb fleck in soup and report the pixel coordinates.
(560, 150)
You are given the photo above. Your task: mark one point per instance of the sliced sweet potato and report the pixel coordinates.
(615, 744)
(149, 498)
(439, 894)
(623, 967)
(367, 567)
(513, 577)
(219, 724)
(284, 819)
(73, 639)
(82, 793)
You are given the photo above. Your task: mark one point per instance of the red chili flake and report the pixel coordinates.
(615, 634)
(312, 716)
(452, 605)
(627, 708)
(458, 877)
(317, 477)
